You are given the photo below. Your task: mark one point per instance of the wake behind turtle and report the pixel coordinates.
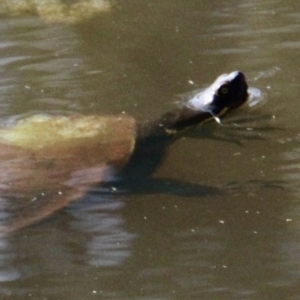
(46, 162)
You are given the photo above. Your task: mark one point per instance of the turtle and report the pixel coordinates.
(49, 161)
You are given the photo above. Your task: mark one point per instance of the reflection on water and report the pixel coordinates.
(220, 220)
(110, 243)
(37, 67)
(267, 73)
(7, 270)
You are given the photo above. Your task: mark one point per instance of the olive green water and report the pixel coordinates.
(222, 218)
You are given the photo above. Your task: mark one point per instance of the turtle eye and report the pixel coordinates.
(224, 90)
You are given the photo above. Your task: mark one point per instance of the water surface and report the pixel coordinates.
(221, 219)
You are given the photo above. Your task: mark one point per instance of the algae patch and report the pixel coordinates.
(55, 11)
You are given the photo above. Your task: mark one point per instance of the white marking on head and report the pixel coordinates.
(201, 101)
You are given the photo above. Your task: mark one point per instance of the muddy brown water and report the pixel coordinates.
(220, 218)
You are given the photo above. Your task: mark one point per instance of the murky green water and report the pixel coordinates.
(221, 220)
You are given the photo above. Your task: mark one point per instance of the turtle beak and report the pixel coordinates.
(239, 90)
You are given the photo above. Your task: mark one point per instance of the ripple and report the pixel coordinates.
(256, 97)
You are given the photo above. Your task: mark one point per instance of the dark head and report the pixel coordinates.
(227, 92)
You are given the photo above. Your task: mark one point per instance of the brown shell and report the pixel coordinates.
(48, 162)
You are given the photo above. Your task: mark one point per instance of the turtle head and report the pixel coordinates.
(227, 92)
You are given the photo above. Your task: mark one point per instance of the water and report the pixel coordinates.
(220, 218)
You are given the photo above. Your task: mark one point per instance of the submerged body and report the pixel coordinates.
(48, 162)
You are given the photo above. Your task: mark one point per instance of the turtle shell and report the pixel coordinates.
(46, 158)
